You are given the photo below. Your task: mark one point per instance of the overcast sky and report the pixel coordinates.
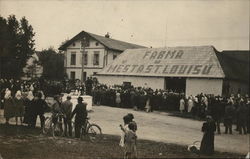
(221, 23)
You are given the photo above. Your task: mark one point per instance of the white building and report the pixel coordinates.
(192, 70)
(98, 52)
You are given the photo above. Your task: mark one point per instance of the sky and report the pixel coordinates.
(221, 23)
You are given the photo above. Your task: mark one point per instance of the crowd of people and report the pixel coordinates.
(227, 110)
(232, 109)
(25, 100)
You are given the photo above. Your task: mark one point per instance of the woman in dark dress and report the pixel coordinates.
(207, 143)
(29, 112)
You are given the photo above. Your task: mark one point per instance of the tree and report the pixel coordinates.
(16, 45)
(53, 64)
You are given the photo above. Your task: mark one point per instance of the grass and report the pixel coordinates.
(25, 143)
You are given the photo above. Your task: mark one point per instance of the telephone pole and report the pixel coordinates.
(82, 48)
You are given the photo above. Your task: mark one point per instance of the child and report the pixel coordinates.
(126, 120)
(129, 141)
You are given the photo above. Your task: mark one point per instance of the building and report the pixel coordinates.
(191, 70)
(93, 51)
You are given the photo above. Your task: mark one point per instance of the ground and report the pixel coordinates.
(161, 126)
(160, 135)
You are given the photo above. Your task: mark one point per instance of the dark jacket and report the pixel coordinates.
(40, 106)
(80, 112)
(67, 108)
(229, 112)
(242, 112)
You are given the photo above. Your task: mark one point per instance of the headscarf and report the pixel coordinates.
(30, 95)
(7, 94)
(18, 95)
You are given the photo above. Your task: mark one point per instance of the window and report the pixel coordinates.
(74, 44)
(114, 56)
(94, 73)
(96, 58)
(96, 44)
(73, 59)
(72, 75)
(85, 58)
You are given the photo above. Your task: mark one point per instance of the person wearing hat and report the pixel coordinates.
(81, 114)
(228, 118)
(67, 110)
(207, 143)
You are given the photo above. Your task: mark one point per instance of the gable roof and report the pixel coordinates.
(107, 42)
(191, 61)
(235, 64)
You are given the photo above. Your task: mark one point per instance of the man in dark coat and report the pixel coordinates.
(39, 106)
(242, 117)
(216, 112)
(89, 85)
(207, 143)
(81, 115)
(228, 119)
(67, 110)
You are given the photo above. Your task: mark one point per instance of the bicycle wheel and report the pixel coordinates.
(94, 133)
(47, 125)
(58, 131)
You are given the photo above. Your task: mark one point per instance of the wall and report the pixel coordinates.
(78, 72)
(111, 53)
(153, 82)
(196, 86)
(89, 68)
(235, 86)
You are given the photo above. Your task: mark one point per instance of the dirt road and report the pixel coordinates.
(159, 126)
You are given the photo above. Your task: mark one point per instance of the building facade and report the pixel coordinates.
(191, 70)
(91, 51)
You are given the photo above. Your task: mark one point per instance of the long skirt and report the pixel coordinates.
(9, 109)
(207, 144)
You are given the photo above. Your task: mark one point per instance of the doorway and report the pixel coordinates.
(176, 84)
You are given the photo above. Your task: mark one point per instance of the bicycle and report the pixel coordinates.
(55, 130)
(91, 131)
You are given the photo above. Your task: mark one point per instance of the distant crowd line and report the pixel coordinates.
(234, 109)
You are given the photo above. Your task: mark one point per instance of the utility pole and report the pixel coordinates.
(82, 47)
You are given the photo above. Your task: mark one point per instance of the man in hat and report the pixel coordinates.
(67, 110)
(81, 115)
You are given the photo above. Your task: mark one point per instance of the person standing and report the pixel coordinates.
(28, 103)
(81, 115)
(207, 143)
(130, 140)
(67, 110)
(190, 104)
(9, 108)
(182, 105)
(19, 106)
(228, 119)
(118, 98)
(216, 112)
(242, 117)
(89, 85)
(40, 107)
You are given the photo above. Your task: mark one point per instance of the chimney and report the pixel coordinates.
(107, 35)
